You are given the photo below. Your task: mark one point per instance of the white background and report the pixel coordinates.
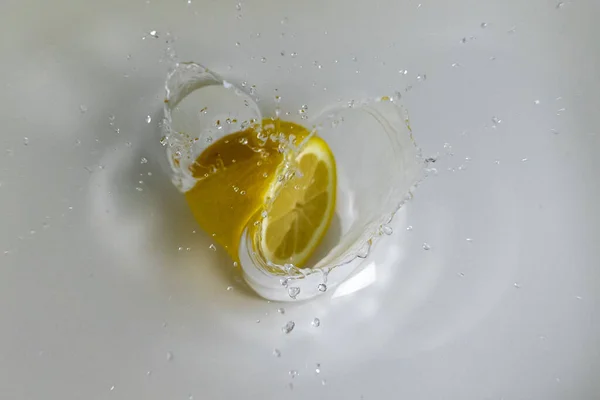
(98, 302)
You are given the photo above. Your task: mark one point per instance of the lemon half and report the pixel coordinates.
(303, 209)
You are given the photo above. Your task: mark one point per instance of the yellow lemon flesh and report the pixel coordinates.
(237, 176)
(302, 211)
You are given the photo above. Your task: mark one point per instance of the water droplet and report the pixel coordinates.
(469, 240)
(112, 388)
(277, 353)
(154, 34)
(579, 297)
(524, 159)
(455, 65)
(294, 54)
(517, 285)
(25, 140)
(322, 287)
(32, 232)
(496, 120)
(386, 229)
(148, 119)
(281, 310)
(238, 6)
(143, 160)
(213, 247)
(263, 59)
(148, 373)
(448, 149)
(536, 102)
(461, 274)
(318, 369)
(316, 322)
(229, 288)
(426, 246)
(287, 328)
(484, 25)
(83, 108)
(293, 292)
(139, 189)
(560, 4)
(323, 382)
(169, 356)
(409, 228)
(293, 373)
(190, 397)
(258, 321)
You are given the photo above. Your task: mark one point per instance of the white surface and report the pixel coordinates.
(99, 297)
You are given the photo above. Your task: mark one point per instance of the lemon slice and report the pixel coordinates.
(302, 211)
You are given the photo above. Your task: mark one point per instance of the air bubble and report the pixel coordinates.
(322, 287)
(281, 310)
(26, 141)
(318, 369)
(484, 25)
(83, 108)
(517, 285)
(386, 229)
(426, 246)
(148, 119)
(287, 328)
(293, 373)
(143, 160)
(263, 60)
(277, 353)
(496, 120)
(212, 247)
(316, 322)
(294, 54)
(169, 356)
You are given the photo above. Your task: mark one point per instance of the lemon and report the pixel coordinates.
(301, 212)
(233, 177)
